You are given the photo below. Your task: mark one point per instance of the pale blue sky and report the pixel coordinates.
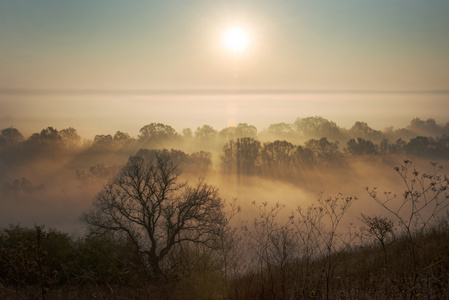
(352, 44)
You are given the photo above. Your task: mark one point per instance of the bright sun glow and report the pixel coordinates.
(236, 39)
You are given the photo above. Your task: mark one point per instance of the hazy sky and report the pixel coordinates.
(117, 44)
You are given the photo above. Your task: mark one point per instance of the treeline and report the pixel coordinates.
(159, 135)
(152, 236)
(320, 137)
(282, 159)
(234, 152)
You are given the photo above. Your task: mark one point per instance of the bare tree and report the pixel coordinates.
(149, 205)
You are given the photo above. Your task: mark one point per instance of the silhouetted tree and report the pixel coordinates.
(397, 148)
(281, 131)
(241, 156)
(205, 133)
(245, 130)
(187, 133)
(445, 129)
(177, 157)
(421, 146)
(427, 127)
(362, 130)
(277, 158)
(70, 138)
(197, 163)
(200, 161)
(242, 130)
(147, 204)
(324, 152)
(303, 156)
(361, 147)
(103, 139)
(48, 134)
(10, 136)
(442, 146)
(47, 143)
(317, 127)
(227, 133)
(122, 138)
(157, 133)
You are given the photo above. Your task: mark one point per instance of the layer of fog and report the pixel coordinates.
(93, 114)
(68, 192)
(51, 178)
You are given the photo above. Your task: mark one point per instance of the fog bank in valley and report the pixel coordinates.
(53, 176)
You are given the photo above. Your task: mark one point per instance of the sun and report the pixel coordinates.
(236, 39)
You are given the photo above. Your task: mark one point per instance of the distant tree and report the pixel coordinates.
(10, 136)
(400, 133)
(361, 147)
(421, 146)
(317, 127)
(103, 139)
(48, 134)
(200, 161)
(303, 156)
(362, 130)
(280, 131)
(277, 158)
(205, 133)
(241, 156)
(324, 152)
(227, 133)
(397, 148)
(384, 147)
(177, 157)
(70, 137)
(157, 133)
(445, 129)
(428, 147)
(442, 146)
(197, 163)
(245, 130)
(122, 138)
(48, 143)
(427, 127)
(242, 130)
(187, 133)
(148, 204)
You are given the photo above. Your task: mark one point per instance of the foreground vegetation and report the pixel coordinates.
(107, 268)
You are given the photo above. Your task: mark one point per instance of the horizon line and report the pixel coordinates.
(209, 91)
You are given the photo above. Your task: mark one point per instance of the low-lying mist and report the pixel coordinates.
(53, 176)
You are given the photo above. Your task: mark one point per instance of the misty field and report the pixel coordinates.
(295, 211)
